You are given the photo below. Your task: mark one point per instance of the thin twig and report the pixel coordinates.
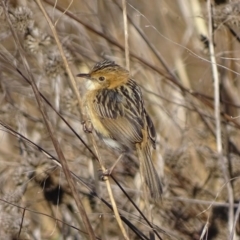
(21, 224)
(200, 202)
(205, 231)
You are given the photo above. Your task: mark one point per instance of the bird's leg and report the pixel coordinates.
(108, 171)
(86, 122)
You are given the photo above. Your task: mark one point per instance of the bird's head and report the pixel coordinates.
(105, 74)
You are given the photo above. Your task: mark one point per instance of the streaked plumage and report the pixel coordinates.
(116, 110)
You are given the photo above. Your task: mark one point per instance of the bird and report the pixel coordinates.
(115, 108)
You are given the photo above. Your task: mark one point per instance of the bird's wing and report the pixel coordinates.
(121, 112)
(151, 130)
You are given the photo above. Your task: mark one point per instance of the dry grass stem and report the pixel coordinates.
(126, 36)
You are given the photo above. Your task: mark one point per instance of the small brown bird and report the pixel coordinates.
(115, 108)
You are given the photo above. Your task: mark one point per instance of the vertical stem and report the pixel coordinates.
(125, 20)
(222, 159)
(216, 83)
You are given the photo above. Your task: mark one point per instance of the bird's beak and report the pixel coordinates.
(90, 83)
(84, 75)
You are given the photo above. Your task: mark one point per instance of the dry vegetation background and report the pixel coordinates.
(170, 58)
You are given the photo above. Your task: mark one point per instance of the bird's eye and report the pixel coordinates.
(101, 79)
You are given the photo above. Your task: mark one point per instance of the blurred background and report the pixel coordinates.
(170, 59)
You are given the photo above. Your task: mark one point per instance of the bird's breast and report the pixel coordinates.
(95, 119)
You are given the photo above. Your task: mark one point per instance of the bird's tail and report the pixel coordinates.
(148, 171)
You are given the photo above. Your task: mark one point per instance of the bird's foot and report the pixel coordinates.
(87, 126)
(103, 175)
